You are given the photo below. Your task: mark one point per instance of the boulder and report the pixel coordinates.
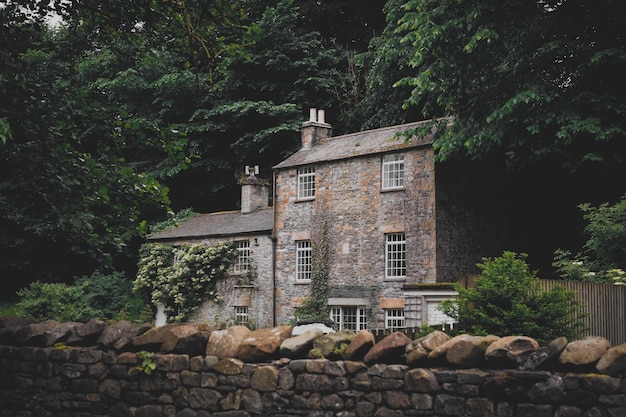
(359, 346)
(303, 328)
(509, 350)
(14, 321)
(59, 333)
(225, 343)
(389, 350)
(330, 346)
(86, 334)
(417, 351)
(463, 350)
(613, 362)
(298, 346)
(545, 357)
(263, 344)
(166, 338)
(585, 353)
(120, 334)
(33, 334)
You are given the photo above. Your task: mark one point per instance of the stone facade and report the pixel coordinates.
(444, 235)
(246, 296)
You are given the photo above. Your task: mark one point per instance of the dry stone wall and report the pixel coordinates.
(108, 372)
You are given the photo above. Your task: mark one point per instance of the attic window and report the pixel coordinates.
(393, 171)
(306, 183)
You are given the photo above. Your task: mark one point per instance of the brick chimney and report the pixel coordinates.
(315, 129)
(254, 191)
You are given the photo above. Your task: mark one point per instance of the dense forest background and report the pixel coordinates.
(122, 112)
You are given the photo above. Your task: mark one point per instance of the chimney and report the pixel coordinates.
(254, 191)
(315, 129)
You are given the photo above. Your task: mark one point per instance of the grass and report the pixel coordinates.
(10, 308)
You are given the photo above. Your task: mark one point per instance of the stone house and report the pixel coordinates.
(400, 229)
(400, 226)
(247, 293)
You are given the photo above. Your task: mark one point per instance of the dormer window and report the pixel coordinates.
(306, 183)
(393, 171)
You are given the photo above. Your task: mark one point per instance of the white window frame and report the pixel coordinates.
(304, 259)
(392, 175)
(394, 318)
(350, 317)
(306, 183)
(244, 257)
(395, 255)
(242, 315)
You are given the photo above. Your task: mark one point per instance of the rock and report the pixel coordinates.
(330, 345)
(33, 334)
(86, 334)
(550, 391)
(265, 379)
(463, 350)
(613, 362)
(544, 357)
(389, 350)
(229, 366)
(120, 334)
(263, 344)
(417, 351)
(166, 338)
(509, 351)
(225, 343)
(298, 346)
(303, 328)
(359, 346)
(59, 333)
(584, 354)
(192, 338)
(14, 321)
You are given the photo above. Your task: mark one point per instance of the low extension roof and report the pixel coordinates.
(221, 224)
(356, 144)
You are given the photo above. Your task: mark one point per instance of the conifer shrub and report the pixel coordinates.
(508, 300)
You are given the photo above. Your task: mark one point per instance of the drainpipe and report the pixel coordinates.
(274, 248)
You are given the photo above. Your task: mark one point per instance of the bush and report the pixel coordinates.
(107, 297)
(508, 300)
(56, 301)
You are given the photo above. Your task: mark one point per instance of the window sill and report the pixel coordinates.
(395, 279)
(304, 200)
(390, 190)
(303, 282)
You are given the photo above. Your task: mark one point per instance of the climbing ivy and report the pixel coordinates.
(182, 277)
(316, 305)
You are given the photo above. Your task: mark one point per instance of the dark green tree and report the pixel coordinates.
(529, 80)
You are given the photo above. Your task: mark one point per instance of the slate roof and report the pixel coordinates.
(221, 224)
(355, 144)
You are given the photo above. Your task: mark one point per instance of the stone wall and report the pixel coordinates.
(193, 370)
(87, 382)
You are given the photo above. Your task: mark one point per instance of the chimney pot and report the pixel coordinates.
(320, 116)
(312, 114)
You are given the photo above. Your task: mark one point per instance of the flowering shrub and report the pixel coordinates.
(181, 278)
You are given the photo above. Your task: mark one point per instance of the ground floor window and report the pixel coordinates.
(394, 318)
(241, 315)
(349, 317)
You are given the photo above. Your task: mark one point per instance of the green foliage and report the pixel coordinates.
(605, 249)
(181, 278)
(104, 296)
(173, 220)
(147, 364)
(508, 300)
(521, 78)
(56, 301)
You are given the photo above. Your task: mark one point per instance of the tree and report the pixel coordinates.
(507, 300)
(528, 80)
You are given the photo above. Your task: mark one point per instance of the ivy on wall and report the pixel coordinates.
(316, 305)
(182, 277)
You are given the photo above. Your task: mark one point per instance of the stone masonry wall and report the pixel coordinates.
(86, 382)
(348, 195)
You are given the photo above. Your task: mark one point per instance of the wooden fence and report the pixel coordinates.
(604, 304)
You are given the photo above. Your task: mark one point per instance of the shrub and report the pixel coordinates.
(56, 301)
(508, 300)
